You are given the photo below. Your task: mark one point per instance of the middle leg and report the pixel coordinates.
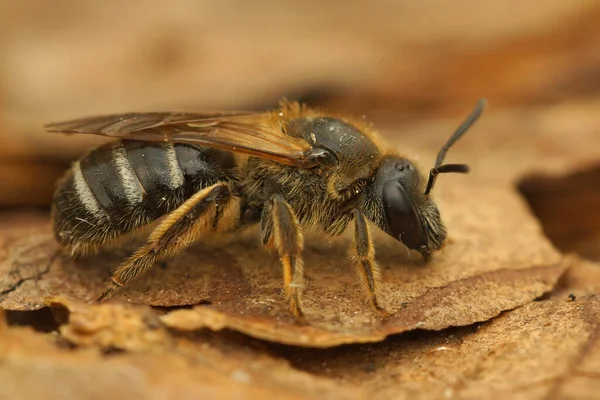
(362, 254)
(280, 228)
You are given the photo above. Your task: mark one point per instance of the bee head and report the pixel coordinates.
(408, 213)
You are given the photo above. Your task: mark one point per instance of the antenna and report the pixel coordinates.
(460, 168)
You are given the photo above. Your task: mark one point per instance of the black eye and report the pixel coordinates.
(402, 220)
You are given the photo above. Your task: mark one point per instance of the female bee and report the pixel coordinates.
(288, 169)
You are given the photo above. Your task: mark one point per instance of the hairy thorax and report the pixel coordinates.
(321, 198)
(309, 193)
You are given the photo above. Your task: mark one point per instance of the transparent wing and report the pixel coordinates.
(248, 133)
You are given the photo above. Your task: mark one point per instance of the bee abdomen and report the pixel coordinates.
(127, 184)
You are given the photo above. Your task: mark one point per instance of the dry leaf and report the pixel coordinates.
(118, 326)
(473, 299)
(582, 278)
(34, 366)
(543, 350)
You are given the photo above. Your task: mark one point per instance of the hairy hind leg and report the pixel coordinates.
(209, 209)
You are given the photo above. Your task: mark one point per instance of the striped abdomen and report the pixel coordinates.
(127, 184)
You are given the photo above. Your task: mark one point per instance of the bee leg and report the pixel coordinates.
(282, 230)
(362, 254)
(196, 216)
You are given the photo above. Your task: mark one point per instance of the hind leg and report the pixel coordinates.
(212, 208)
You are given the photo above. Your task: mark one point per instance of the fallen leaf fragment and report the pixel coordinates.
(470, 300)
(34, 366)
(543, 350)
(582, 277)
(110, 326)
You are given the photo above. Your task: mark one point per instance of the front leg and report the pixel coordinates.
(281, 229)
(362, 254)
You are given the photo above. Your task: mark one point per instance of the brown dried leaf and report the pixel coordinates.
(473, 299)
(581, 279)
(543, 350)
(32, 366)
(120, 326)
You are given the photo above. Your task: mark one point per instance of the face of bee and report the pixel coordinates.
(403, 207)
(408, 214)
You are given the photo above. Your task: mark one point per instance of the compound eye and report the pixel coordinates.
(402, 220)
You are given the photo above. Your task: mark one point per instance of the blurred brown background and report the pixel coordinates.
(403, 61)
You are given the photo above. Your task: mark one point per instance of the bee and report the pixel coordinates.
(290, 169)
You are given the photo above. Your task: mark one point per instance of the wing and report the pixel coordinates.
(248, 133)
